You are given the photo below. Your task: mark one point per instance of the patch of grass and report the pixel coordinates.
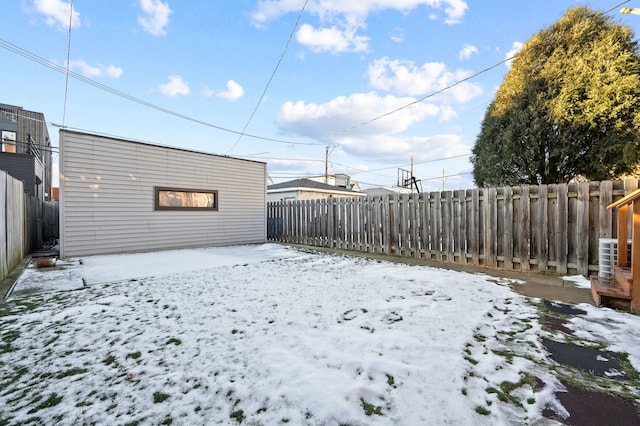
(51, 401)
(391, 381)
(471, 360)
(52, 340)
(167, 421)
(238, 416)
(234, 331)
(479, 338)
(370, 409)
(632, 373)
(505, 353)
(174, 341)
(109, 360)
(17, 398)
(71, 372)
(482, 411)
(134, 355)
(16, 376)
(159, 397)
(501, 395)
(8, 337)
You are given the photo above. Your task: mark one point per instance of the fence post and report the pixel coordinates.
(507, 239)
(490, 225)
(543, 228)
(436, 237)
(561, 228)
(525, 228)
(582, 229)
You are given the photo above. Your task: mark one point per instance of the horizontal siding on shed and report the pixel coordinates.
(107, 197)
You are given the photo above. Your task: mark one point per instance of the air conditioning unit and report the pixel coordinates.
(608, 256)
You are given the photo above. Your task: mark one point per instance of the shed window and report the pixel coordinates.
(185, 199)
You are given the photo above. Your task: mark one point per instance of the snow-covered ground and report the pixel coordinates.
(268, 335)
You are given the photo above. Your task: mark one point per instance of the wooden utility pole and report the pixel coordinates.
(326, 164)
(327, 152)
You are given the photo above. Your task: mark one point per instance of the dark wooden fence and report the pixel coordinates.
(42, 223)
(554, 228)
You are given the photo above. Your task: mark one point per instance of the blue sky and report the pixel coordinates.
(296, 83)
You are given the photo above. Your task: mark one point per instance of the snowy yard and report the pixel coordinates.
(266, 335)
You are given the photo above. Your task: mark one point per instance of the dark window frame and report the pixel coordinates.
(158, 207)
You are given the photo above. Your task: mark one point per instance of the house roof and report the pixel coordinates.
(302, 184)
(379, 191)
(157, 145)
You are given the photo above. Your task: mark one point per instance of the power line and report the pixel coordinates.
(66, 80)
(33, 57)
(264, 92)
(437, 92)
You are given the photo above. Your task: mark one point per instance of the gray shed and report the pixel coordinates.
(122, 196)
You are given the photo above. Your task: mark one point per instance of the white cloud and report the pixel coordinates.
(338, 121)
(396, 149)
(234, 91)
(334, 39)
(467, 51)
(325, 121)
(515, 49)
(405, 78)
(156, 16)
(342, 19)
(57, 13)
(271, 9)
(176, 86)
(92, 71)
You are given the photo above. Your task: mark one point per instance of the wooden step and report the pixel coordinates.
(623, 278)
(609, 288)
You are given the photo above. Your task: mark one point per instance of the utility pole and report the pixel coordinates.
(327, 152)
(326, 164)
(443, 179)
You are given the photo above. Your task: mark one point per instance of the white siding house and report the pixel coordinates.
(119, 196)
(307, 189)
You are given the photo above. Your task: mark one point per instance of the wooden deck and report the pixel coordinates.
(607, 289)
(620, 287)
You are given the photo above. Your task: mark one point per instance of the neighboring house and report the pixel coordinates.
(120, 196)
(306, 189)
(378, 192)
(340, 180)
(26, 149)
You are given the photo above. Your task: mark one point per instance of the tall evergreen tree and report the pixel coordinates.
(568, 107)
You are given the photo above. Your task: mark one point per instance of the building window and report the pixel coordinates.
(185, 199)
(8, 141)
